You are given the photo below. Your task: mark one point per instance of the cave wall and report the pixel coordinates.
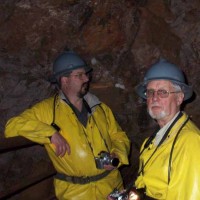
(120, 39)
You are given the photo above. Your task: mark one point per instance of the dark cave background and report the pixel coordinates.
(120, 39)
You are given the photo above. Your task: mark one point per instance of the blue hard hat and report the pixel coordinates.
(166, 71)
(65, 63)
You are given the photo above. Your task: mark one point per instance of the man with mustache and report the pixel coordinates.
(169, 159)
(83, 139)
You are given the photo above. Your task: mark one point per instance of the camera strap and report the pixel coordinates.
(85, 104)
(171, 151)
(57, 128)
(142, 190)
(161, 142)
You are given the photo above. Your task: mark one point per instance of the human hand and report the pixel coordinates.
(62, 146)
(133, 196)
(108, 167)
(109, 198)
(136, 194)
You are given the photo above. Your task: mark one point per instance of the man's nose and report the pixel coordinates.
(155, 95)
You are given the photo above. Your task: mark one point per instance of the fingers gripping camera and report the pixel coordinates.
(105, 159)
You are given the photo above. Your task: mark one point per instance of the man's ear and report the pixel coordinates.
(63, 80)
(180, 98)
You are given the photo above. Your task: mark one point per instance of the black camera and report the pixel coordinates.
(105, 159)
(116, 195)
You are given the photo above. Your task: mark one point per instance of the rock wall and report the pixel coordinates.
(120, 39)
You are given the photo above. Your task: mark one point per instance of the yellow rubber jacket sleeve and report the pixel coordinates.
(33, 123)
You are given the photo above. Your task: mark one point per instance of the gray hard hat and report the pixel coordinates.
(166, 71)
(65, 63)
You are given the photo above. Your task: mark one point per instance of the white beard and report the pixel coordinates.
(157, 116)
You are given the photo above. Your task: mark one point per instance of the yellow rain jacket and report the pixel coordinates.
(184, 174)
(34, 124)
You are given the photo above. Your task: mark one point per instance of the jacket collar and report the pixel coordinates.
(91, 99)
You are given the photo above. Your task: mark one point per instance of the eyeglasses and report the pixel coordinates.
(161, 93)
(81, 75)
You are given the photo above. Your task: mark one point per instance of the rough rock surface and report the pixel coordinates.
(120, 39)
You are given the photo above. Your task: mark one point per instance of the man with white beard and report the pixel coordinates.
(169, 159)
